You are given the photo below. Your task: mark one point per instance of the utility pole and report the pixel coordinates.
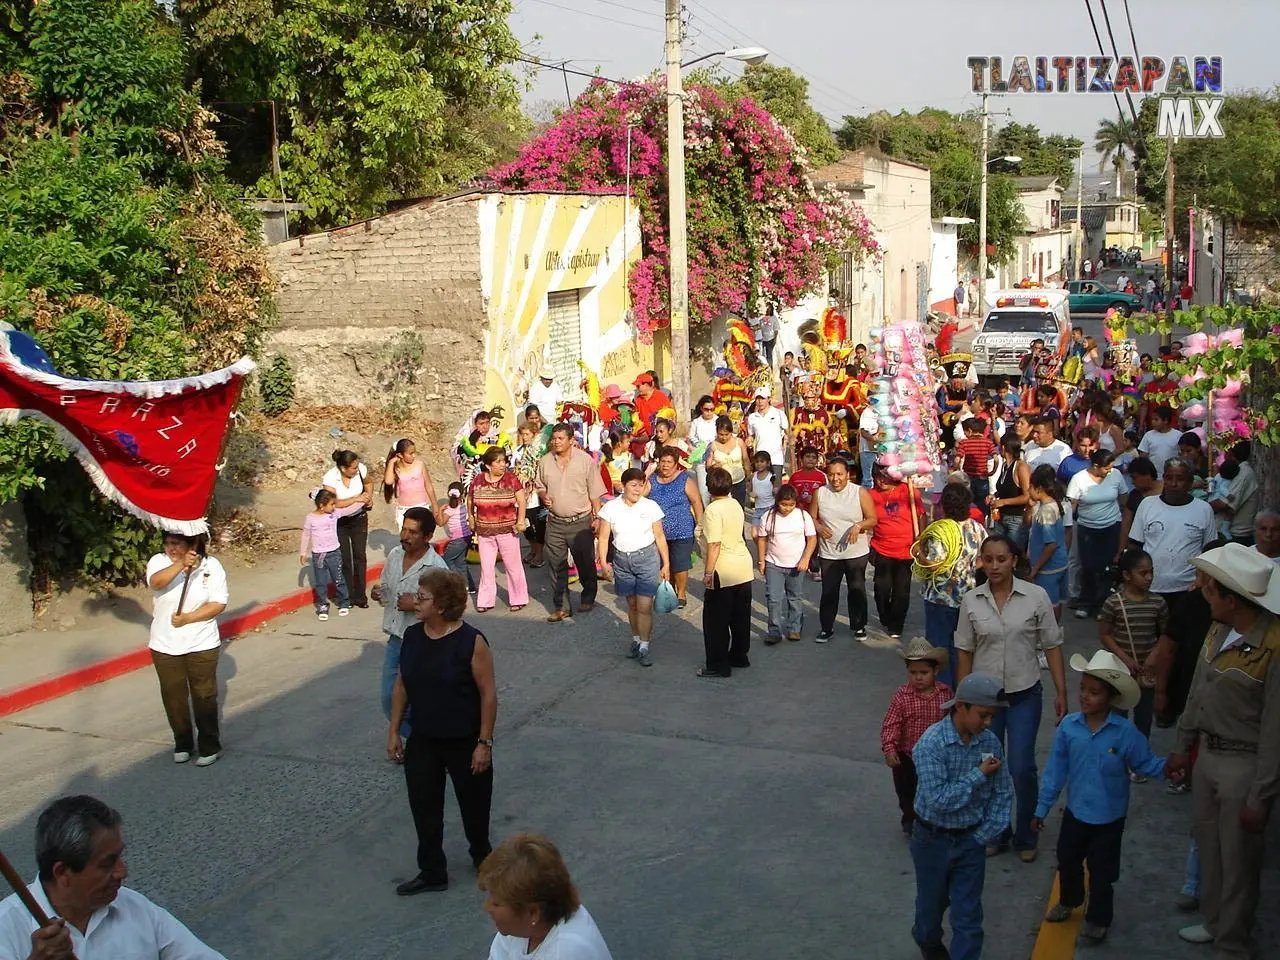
(1170, 230)
(1079, 231)
(677, 237)
(982, 215)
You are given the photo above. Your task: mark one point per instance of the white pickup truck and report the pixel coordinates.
(1011, 320)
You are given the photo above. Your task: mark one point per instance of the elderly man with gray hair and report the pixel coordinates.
(80, 858)
(1266, 534)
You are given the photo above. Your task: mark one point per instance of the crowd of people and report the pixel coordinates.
(1092, 497)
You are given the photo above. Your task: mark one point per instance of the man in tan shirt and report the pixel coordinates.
(1233, 712)
(569, 483)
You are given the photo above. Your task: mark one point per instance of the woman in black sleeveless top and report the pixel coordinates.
(446, 676)
(1009, 495)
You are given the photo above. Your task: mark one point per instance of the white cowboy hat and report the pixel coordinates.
(1109, 668)
(1244, 571)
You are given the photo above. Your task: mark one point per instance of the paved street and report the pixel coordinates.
(749, 819)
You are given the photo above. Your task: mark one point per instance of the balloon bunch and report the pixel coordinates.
(1223, 413)
(902, 395)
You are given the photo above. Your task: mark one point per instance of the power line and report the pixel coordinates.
(601, 16)
(1115, 49)
(1102, 51)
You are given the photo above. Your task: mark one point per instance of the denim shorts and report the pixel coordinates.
(1055, 585)
(637, 574)
(680, 553)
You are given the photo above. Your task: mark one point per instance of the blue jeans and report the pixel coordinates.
(390, 669)
(455, 558)
(1016, 727)
(1013, 525)
(980, 487)
(1191, 880)
(950, 871)
(940, 622)
(1097, 549)
(868, 461)
(326, 568)
(784, 593)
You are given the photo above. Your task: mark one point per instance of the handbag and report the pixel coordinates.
(1143, 678)
(666, 599)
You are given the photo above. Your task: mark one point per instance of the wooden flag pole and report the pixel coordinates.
(20, 888)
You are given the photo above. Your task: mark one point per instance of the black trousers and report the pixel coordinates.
(855, 572)
(893, 591)
(562, 541)
(353, 542)
(425, 764)
(904, 785)
(726, 626)
(1097, 845)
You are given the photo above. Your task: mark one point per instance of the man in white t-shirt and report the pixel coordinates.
(546, 395)
(767, 428)
(185, 644)
(1173, 528)
(1160, 443)
(1045, 448)
(868, 428)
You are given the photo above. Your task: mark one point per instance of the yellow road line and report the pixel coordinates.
(1057, 941)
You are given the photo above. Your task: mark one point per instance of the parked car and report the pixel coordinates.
(1091, 296)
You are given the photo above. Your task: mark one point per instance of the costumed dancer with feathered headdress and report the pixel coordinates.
(481, 431)
(954, 395)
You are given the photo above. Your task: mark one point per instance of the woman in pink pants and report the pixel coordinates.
(496, 504)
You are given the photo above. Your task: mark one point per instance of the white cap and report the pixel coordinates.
(763, 392)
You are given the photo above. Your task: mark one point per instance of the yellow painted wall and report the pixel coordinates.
(534, 244)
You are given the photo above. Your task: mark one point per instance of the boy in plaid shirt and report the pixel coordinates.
(915, 706)
(975, 453)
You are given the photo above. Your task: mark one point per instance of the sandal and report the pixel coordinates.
(517, 609)
(558, 616)
(483, 609)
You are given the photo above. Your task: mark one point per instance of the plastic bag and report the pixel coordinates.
(666, 600)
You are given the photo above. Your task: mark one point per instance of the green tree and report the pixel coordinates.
(1052, 156)
(377, 100)
(123, 251)
(948, 144)
(785, 94)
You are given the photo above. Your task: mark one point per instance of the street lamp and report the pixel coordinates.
(748, 55)
(678, 237)
(1012, 158)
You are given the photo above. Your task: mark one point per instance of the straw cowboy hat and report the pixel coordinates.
(918, 648)
(1244, 571)
(1109, 668)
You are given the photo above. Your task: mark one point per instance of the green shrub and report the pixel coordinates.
(275, 386)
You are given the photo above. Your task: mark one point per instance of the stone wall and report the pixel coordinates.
(346, 296)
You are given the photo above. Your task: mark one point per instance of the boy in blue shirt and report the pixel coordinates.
(964, 798)
(1093, 752)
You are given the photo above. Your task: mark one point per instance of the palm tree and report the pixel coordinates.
(1115, 140)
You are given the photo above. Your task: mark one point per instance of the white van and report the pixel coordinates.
(1011, 320)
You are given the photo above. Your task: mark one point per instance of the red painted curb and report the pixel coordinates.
(51, 688)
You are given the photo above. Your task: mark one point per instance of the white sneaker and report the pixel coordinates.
(322, 616)
(181, 756)
(1082, 614)
(1196, 934)
(209, 760)
(344, 611)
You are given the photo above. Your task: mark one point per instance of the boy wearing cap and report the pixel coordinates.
(913, 709)
(964, 799)
(1093, 752)
(649, 403)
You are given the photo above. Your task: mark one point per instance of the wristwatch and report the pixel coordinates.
(482, 742)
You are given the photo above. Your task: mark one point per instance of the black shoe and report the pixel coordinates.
(938, 952)
(860, 633)
(744, 662)
(476, 861)
(422, 884)
(362, 604)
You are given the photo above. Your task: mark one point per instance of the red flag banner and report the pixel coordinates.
(152, 446)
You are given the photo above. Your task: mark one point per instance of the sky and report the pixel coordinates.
(906, 54)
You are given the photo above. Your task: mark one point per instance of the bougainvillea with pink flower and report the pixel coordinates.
(757, 225)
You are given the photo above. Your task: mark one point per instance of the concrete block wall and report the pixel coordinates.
(346, 295)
